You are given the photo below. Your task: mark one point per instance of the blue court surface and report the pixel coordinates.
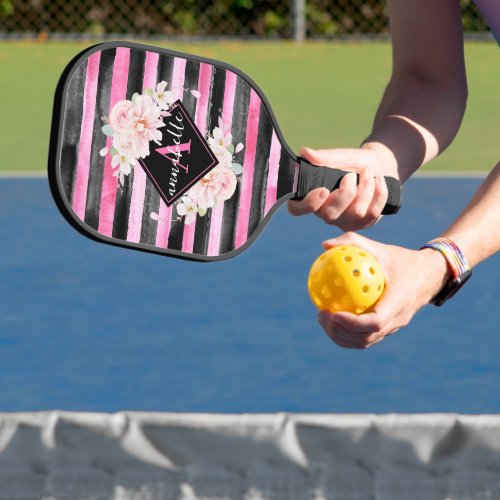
(92, 327)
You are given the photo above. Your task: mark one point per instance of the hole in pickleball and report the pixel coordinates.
(356, 273)
(317, 300)
(362, 254)
(317, 276)
(372, 270)
(339, 281)
(360, 309)
(327, 293)
(337, 306)
(379, 287)
(348, 258)
(346, 299)
(331, 268)
(366, 289)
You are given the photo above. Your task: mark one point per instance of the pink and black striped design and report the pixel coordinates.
(123, 213)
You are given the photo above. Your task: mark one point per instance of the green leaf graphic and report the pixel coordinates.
(108, 130)
(237, 168)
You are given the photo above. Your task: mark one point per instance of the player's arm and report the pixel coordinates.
(414, 277)
(424, 102)
(477, 230)
(419, 114)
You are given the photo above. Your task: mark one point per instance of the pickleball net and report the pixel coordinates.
(159, 456)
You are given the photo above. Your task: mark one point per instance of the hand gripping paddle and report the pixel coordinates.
(171, 153)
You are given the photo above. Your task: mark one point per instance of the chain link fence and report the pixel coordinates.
(284, 19)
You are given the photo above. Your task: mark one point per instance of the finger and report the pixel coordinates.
(372, 343)
(362, 324)
(353, 219)
(338, 334)
(344, 344)
(354, 339)
(338, 201)
(341, 339)
(365, 191)
(348, 238)
(380, 195)
(352, 159)
(348, 338)
(311, 203)
(340, 158)
(362, 340)
(385, 317)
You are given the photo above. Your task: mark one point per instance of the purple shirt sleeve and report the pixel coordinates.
(490, 9)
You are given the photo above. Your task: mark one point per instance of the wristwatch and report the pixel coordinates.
(460, 270)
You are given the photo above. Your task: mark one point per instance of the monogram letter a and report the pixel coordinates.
(177, 152)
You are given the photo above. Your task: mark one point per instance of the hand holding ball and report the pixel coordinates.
(346, 278)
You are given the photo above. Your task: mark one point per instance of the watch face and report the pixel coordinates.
(451, 288)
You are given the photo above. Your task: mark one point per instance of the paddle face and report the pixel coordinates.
(165, 152)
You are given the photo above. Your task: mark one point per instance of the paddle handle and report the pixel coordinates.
(312, 177)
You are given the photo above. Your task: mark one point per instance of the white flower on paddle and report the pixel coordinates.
(187, 208)
(122, 165)
(218, 138)
(224, 157)
(122, 145)
(164, 98)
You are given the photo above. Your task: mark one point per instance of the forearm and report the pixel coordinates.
(424, 103)
(477, 230)
(416, 120)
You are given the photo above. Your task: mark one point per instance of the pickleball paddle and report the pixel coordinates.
(170, 153)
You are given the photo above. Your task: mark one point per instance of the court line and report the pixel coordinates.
(452, 174)
(23, 174)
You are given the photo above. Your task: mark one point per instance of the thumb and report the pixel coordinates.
(338, 158)
(349, 238)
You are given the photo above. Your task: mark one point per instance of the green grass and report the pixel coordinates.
(323, 94)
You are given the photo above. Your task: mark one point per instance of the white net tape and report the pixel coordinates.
(160, 456)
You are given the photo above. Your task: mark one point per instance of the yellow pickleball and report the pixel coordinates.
(346, 278)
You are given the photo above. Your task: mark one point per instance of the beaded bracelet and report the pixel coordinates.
(452, 254)
(460, 269)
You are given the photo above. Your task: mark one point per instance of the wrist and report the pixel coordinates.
(386, 156)
(437, 272)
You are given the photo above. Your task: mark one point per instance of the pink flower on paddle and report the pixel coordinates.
(216, 186)
(147, 121)
(225, 181)
(122, 117)
(204, 192)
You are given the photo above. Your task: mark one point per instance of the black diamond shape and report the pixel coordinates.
(183, 157)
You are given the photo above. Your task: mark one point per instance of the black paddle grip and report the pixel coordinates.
(312, 177)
